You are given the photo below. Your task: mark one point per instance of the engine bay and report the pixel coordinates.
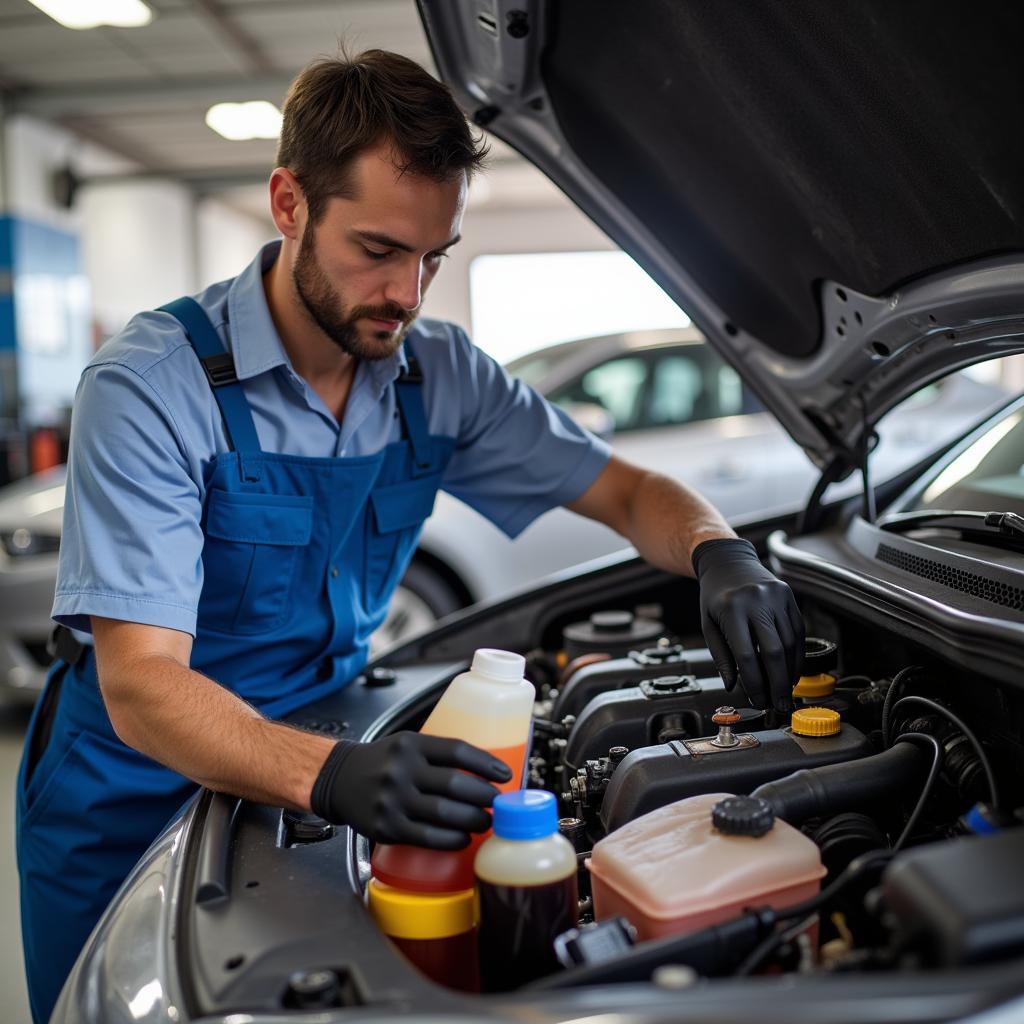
(864, 844)
(895, 769)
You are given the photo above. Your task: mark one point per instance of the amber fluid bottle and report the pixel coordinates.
(526, 884)
(490, 706)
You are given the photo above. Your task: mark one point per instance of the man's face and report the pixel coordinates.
(361, 272)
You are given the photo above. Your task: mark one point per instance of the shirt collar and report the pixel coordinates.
(255, 343)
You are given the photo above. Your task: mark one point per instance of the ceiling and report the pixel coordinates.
(143, 92)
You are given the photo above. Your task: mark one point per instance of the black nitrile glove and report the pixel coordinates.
(408, 788)
(750, 622)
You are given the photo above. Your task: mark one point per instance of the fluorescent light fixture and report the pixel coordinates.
(254, 119)
(93, 13)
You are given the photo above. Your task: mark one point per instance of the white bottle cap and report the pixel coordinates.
(503, 665)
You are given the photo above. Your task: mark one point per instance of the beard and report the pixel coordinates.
(326, 307)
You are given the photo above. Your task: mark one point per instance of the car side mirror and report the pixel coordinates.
(593, 417)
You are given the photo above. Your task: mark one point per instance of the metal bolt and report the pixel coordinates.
(725, 717)
(381, 676)
(316, 989)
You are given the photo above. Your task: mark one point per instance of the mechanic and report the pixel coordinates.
(248, 474)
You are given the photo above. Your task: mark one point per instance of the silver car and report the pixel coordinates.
(664, 399)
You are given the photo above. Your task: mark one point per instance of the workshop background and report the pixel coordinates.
(116, 195)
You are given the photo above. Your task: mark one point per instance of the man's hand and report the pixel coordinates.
(409, 788)
(750, 621)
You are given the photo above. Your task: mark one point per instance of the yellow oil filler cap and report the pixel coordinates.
(816, 722)
(815, 687)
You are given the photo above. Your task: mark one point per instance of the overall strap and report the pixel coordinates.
(219, 367)
(409, 393)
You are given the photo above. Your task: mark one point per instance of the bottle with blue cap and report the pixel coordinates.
(526, 885)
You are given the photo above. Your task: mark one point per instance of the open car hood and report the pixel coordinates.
(834, 193)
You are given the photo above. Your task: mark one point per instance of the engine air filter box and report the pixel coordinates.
(961, 901)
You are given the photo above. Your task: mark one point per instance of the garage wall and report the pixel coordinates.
(227, 240)
(138, 243)
(510, 211)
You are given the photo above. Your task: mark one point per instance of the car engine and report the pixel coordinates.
(901, 775)
(860, 847)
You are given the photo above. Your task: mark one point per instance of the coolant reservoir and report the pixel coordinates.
(700, 861)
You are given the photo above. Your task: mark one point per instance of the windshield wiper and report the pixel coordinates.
(1007, 524)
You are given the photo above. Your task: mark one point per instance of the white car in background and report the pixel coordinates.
(666, 401)
(663, 398)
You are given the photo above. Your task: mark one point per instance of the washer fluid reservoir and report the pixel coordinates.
(699, 862)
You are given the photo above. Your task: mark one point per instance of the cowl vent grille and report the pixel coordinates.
(956, 579)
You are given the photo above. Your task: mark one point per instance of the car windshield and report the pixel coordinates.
(531, 368)
(987, 476)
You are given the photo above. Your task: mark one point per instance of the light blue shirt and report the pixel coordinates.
(146, 428)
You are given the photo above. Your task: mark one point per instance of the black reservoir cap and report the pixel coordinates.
(743, 816)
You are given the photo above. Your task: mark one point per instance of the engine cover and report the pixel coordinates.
(652, 777)
(660, 709)
(618, 673)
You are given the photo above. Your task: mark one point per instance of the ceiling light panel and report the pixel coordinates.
(82, 14)
(254, 119)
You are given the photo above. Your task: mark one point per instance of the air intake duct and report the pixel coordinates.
(855, 785)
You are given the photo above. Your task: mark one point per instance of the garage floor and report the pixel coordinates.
(12, 979)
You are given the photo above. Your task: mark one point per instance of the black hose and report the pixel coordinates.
(933, 774)
(807, 910)
(813, 792)
(890, 697)
(940, 709)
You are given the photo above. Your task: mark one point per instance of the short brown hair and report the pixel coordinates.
(338, 107)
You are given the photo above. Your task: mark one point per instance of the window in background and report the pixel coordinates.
(526, 301)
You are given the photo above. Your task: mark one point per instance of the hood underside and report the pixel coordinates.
(833, 192)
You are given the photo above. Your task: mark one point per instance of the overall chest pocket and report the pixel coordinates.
(397, 511)
(253, 544)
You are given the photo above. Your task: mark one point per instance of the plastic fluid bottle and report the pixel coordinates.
(526, 884)
(490, 706)
(435, 931)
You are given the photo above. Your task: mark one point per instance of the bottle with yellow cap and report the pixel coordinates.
(436, 931)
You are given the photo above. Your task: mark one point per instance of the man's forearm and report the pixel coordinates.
(665, 521)
(192, 725)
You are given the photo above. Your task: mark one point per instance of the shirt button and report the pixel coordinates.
(334, 570)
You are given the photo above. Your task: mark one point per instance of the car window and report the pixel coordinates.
(695, 384)
(618, 385)
(662, 387)
(987, 476)
(678, 391)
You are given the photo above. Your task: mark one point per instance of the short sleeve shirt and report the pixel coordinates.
(146, 428)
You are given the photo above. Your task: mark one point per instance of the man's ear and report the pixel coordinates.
(287, 203)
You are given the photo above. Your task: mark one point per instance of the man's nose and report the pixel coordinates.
(406, 287)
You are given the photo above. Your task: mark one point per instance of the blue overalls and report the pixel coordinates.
(300, 558)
